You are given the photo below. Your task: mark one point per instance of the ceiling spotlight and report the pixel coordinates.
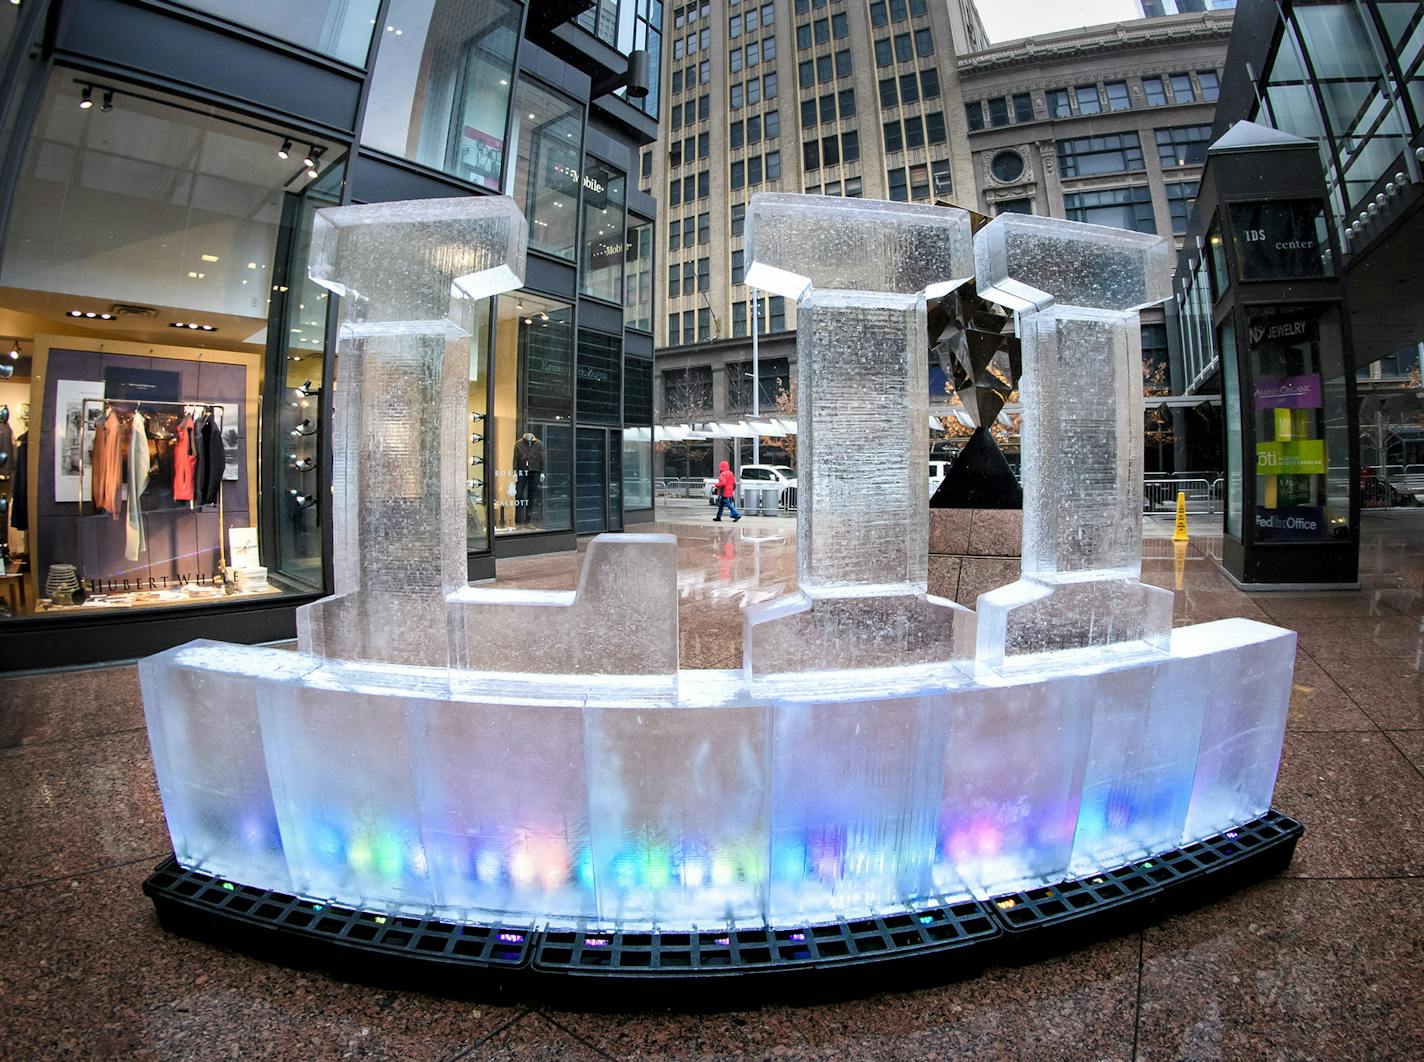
(309, 159)
(15, 350)
(87, 99)
(76, 313)
(285, 150)
(108, 104)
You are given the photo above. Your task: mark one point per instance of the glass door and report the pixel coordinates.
(591, 481)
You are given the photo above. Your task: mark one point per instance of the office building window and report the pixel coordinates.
(753, 91)
(734, 59)
(769, 86)
(753, 50)
(704, 229)
(809, 117)
(974, 113)
(547, 132)
(847, 103)
(768, 48)
(1182, 91)
(904, 48)
(1181, 197)
(934, 127)
(689, 273)
(929, 84)
(673, 330)
(823, 69)
(773, 165)
(739, 219)
(1184, 145)
(822, 30)
(674, 282)
(1088, 99)
(897, 11)
(850, 146)
(877, 13)
(704, 71)
(735, 95)
(1007, 166)
(889, 95)
(844, 66)
(687, 236)
(704, 107)
(754, 171)
(1118, 98)
(739, 175)
(1023, 107)
(674, 235)
(924, 43)
(1058, 103)
(919, 182)
(909, 88)
(703, 145)
(898, 189)
(998, 111)
(1210, 85)
(1123, 208)
(739, 318)
(734, 26)
(1013, 206)
(811, 155)
(914, 132)
(894, 138)
(883, 55)
(735, 133)
(704, 325)
(1089, 155)
(806, 73)
(840, 27)
(674, 192)
(1155, 91)
(704, 274)
(754, 129)
(828, 107)
(940, 178)
(704, 184)
(830, 151)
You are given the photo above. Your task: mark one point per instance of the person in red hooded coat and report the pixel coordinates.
(726, 488)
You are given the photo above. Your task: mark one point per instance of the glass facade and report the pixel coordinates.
(629, 25)
(638, 278)
(341, 29)
(440, 90)
(1347, 77)
(546, 130)
(176, 364)
(601, 237)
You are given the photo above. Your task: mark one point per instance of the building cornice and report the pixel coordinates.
(1092, 40)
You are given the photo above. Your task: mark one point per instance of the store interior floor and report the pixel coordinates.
(1322, 962)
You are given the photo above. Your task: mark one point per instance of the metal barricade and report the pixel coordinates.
(1160, 495)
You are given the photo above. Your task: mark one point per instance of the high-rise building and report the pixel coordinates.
(823, 96)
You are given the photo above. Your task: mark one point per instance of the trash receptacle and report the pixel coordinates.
(760, 499)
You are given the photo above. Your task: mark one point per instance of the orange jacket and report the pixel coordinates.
(726, 481)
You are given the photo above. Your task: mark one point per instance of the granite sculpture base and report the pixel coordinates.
(972, 551)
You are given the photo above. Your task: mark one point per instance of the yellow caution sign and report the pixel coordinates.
(1179, 561)
(1180, 534)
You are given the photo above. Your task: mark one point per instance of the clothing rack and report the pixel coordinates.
(138, 406)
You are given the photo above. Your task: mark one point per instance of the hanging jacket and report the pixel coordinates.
(107, 463)
(185, 461)
(211, 460)
(135, 541)
(7, 449)
(726, 481)
(20, 499)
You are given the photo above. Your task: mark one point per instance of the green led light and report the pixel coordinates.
(316, 907)
(1147, 865)
(380, 920)
(229, 886)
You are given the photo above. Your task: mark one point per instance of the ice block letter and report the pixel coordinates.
(1077, 289)
(410, 276)
(860, 271)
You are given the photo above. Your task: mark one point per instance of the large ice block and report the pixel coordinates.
(1077, 289)
(410, 276)
(620, 621)
(861, 270)
(200, 703)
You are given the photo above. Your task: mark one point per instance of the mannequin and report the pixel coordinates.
(7, 448)
(528, 472)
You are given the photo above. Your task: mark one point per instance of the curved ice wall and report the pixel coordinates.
(539, 756)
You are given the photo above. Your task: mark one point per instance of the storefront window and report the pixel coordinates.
(440, 90)
(637, 433)
(156, 254)
(1297, 390)
(600, 378)
(533, 414)
(1231, 392)
(547, 131)
(477, 523)
(338, 28)
(638, 278)
(602, 236)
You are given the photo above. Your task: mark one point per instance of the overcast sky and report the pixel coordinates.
(1007, 20)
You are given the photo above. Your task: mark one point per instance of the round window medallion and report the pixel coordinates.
(1007, 166)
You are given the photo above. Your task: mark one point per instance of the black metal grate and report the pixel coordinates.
(200, 903)
(370, 930)
(938, 928)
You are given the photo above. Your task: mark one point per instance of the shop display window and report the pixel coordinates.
(477, 485)
(599, 379)
(1297, 388)
(155, 269)
(637, 432)
(547, 132)
(602, 235)
(440, 90)
(532, 415)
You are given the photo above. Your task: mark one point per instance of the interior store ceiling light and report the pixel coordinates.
(86, 99)
(108, 104)
(193, 325)
(14, 350)
(90, 314)
(285, 150)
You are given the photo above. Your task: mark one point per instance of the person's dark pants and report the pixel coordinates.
(726, 502)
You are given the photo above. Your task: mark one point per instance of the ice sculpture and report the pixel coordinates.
(557, 768)
(1077, 289)
(409, 275)
(860, 272)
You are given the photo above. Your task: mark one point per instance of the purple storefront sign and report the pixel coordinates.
(1288, 392)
